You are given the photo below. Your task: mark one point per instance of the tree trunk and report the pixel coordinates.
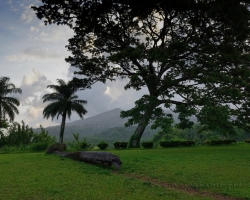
(134, 141)
(62, 127)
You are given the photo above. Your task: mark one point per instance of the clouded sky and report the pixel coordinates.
(32, 56)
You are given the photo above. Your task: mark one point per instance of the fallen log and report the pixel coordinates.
(101, 158)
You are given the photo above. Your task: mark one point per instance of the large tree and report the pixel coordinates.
(64, 101)
(191, 55)
(8, 104)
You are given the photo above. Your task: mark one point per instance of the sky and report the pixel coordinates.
(33, 56)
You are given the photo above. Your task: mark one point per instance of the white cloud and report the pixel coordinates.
(55, 33)
(34, 86)
(28, 14)
(33, 54)
(34, 29)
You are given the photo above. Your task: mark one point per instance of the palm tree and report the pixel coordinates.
(64, 101)
(8, 105)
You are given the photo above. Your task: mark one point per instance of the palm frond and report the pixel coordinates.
(63, 101)
(8, 104)
(9, 109)
(11, 100)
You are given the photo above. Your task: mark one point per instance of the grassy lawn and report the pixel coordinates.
(173, 173)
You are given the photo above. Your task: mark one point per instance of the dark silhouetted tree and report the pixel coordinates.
(191, 55)
(63, 102)
(8, 104)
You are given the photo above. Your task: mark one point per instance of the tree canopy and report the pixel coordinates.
(191, 55)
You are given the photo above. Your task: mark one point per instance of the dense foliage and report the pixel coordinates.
(247, 141)
(219, 142)
(199, 134)
(177, 143)
(120, 145)
(148, 144)
(103, 145)
(22, 135)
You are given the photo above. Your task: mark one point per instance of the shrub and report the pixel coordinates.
(176, 143)
(76, 144)
(148, 144)
(43, 137)
(41, 146)
(188, 143)
(219, 142)
(103, 145)
(84, 145)
(247, 141)
(120, 145)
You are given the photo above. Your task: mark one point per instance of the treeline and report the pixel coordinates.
(199, 135)
(21, 135)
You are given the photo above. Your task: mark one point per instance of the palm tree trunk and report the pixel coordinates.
(62, 127)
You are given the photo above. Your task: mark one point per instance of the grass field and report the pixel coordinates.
(204, 172)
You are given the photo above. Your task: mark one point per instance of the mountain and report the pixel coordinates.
(90, 126)
(103, 126)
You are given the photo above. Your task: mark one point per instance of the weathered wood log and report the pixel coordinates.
(103, 158)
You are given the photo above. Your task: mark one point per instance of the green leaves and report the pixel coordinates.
(184, 114)
(216, 118)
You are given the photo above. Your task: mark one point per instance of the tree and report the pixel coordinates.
(64, 101)
(8, 105)
(191, 55)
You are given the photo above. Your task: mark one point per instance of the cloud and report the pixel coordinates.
(28, 14)
(103, 97)
(54, 33)
(34, 54)
(34, 86)
(34, 29)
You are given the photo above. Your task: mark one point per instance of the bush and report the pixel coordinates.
(148, 144)
(219, 142)
(84, 145)
(103, 145)
(120, 145)
(247, 141)
(76, 144)
(176, 143)
(188, 143)
(42, 146)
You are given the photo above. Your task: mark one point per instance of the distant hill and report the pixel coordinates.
(90, 126)
(102, 126)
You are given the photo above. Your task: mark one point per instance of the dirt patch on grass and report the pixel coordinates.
(181, 188)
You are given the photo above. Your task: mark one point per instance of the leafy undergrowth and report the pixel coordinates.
(176, 173)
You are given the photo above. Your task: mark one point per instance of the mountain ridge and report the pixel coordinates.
(109, 121)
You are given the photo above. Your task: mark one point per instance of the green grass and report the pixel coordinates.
(173, 173)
